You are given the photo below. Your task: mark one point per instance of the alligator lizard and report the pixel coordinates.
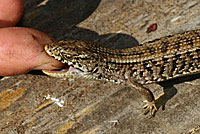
(154, 61)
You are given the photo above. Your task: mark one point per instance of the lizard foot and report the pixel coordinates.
(150, 107)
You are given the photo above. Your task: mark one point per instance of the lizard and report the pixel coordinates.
(151, 62)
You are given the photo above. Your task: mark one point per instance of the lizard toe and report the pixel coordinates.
(150, 107)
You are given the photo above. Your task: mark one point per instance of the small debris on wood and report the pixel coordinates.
(152, 28)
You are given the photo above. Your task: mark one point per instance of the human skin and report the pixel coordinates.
(21, 49)
(10, 12)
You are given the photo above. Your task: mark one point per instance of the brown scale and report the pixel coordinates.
(157, 60)
(154, 61)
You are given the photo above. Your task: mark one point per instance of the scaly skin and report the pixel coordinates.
(155, 61)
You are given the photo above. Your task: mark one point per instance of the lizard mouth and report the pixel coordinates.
(66, 71)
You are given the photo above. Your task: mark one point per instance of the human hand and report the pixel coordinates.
(21, 49)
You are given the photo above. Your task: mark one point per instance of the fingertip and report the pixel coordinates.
(10, 12)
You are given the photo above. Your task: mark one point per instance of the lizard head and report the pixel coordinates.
(75, 54)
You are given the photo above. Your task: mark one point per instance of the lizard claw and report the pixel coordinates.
(150, 107)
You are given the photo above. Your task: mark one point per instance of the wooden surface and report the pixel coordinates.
(38, 104)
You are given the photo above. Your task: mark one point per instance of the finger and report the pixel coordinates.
(22, 50)
(10, 12)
